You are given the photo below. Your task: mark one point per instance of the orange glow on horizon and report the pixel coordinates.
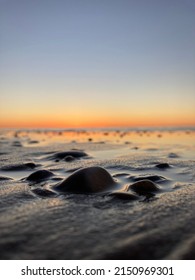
(89, 122)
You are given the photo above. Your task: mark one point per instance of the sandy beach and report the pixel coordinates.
(97, 194)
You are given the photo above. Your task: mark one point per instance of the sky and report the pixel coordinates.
(97, 63)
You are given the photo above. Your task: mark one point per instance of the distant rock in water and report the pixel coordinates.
(68, 154)
(19, 167)
(39, 175)
(173, 155)
(163, 165)
(17, 144)
(144, 186)
(87, 180)
(33, 142)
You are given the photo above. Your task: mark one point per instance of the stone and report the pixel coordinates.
(39, 175)
(144, 186)
(87, 180)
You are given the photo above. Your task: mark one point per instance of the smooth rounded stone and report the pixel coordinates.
(124, 195)
(163, 165)
(19, 167)
(87, 180)
(43, 192)
(5, 178)
(63, 155)
(144, 186)
(39, 175)
(153, 178)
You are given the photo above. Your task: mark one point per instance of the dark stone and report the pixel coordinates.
(163, 165)
(124, 195)
(33, 142)
(120, 175)
(39, 175)
(87, 180)
(43, 192)
(144, 186)
(30, 165)
(19, 167)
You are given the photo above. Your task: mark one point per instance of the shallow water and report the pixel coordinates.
(128, 156)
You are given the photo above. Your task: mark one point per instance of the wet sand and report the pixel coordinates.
(97, 194)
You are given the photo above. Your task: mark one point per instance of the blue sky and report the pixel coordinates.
(129, 58)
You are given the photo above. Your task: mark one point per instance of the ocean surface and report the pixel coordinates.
(97, 193)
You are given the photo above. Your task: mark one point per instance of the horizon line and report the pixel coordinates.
(99, 127)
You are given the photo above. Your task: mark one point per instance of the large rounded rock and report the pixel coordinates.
(87, 180)
(144, 186)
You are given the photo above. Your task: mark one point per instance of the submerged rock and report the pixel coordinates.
(19, 167)
(173, 155)
(144, 186)
(87, 180)
(5, 178)
(69, 158)
(43, 192)
(33, 142)
(39, 175)
(153, 178)
(124, 195)
(163, 165)
(72, 154)
(120, 175)
(17, 144)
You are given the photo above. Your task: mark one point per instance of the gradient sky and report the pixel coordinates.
(79, 63)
